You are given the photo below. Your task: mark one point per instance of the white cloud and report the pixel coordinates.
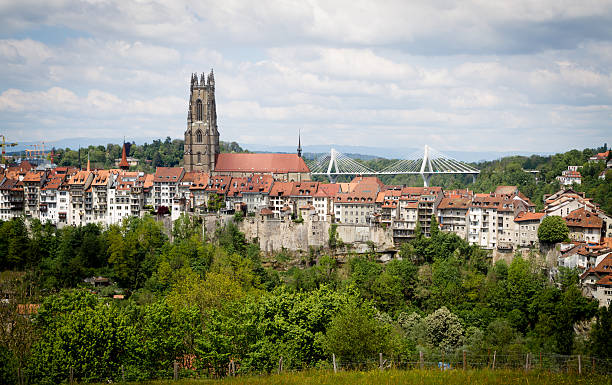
(344, 71)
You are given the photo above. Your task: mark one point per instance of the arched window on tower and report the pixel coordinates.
(198, 136)
(199, 157)
(199, 110)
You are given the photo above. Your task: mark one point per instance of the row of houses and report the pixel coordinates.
(504, 219)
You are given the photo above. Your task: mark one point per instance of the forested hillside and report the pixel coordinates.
(166, 153)
(216, 302)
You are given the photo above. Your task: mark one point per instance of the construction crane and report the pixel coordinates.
(4, 145)
(37, 153)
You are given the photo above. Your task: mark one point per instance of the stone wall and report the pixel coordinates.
(275, 235)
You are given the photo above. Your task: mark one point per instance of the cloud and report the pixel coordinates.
(465, 75)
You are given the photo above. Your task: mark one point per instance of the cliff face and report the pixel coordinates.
(275, 235)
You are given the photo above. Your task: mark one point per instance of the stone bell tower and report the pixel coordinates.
(201, 136)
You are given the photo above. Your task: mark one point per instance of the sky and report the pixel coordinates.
(472, 75)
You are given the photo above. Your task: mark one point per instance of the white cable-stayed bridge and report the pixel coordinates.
(427, 163)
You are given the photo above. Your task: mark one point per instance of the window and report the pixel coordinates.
(198, 137)
(199, 110)
(199, 153)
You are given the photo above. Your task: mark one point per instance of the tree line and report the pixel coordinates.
(159, 153)
(205, 303)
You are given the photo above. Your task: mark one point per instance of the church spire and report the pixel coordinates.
(124, 165)
(299, 149)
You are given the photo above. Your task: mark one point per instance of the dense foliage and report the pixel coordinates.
(206, 303)
(553, 229)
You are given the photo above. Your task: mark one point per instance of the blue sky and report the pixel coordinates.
(466, 76)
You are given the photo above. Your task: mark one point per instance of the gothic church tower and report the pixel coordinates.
(202, 136)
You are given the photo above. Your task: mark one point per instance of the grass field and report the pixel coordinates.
(425, 377)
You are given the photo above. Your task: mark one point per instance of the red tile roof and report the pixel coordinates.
(168, 174)
(583, 218)
(304, 189)
(528, 216)
(281, 189)
(454, 203)
(260, 163)
(327, 190)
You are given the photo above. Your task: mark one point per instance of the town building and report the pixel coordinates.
(584, 226)
(570, 176)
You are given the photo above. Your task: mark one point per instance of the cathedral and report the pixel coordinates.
(202, 143)
(202, 135)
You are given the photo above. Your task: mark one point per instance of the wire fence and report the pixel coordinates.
(579, 365)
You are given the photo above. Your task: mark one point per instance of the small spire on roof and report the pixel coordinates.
(124, 165)
(299, 149)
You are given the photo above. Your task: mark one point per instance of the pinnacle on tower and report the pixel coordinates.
(211, 78)
(299, 149)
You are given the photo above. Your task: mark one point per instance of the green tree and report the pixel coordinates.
(601, 334)
(355, 336)
(444, 329)
(553, 229)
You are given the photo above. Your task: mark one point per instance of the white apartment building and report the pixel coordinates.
(165, 185)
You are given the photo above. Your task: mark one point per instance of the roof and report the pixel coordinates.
(266, 211)
(524, 216)
(200, 181)
(54, 183)
(583, 218)
(148, 180)
(168, 174)
(260, 163)
(506, 190)
(100, 178)
(219, 184)
(605, 280)
(80, 177)
(301, 189)
(33, 176)
(454, 203)
(327, 190)
(261, 184)
(357, 197)
(281, 189)
(124, 163)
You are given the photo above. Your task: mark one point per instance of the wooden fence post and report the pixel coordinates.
(464, 362)
(334, 362)
(380, 361)
(421, 359)
(175, 371)
(593, 364)
(280, 365)
(579, 364)
(71, 375)
(122, 374)
(527, 362)
(540, 360)
(494, 356)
